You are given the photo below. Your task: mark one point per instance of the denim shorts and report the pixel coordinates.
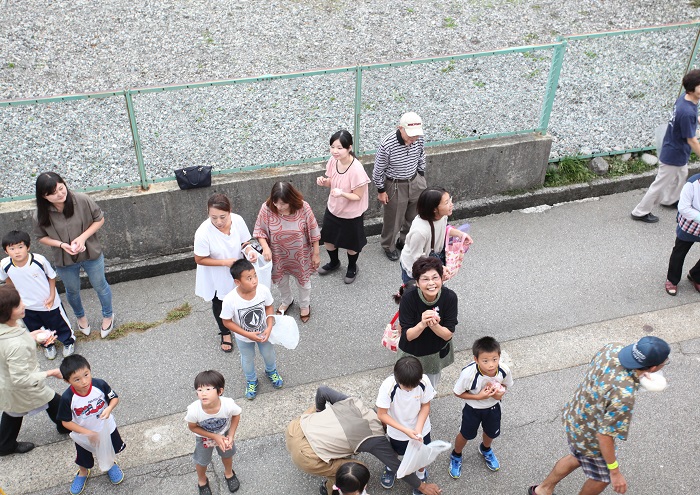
(202, 455)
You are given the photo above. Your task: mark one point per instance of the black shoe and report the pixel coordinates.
(322, 490)
(232, 483)
(328, 268)
(392, 255)
(648, 218)
(22, 448)
(673, 206)
(399, 244)
(204, 490)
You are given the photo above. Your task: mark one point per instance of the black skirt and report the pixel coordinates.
(346, 233)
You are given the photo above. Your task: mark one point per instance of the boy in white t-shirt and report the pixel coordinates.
(403, 405)
(35, 280)
(482, 384)
(247, 312)
(214, 420)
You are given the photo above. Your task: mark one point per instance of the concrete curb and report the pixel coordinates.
(271, 412)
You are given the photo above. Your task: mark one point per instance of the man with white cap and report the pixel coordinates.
(601, 411)
(399, 175)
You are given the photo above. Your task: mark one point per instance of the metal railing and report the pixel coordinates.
(367, 98)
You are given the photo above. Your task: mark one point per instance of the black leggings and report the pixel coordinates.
(10, 426)
(675, 264)
(216, 304)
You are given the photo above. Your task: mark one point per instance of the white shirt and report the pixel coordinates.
(217, 423)
(247, 314)
(210, 241)
(406, 405)
(471, 379)
(31, 281)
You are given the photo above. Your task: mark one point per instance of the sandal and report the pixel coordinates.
(224, 343)
(305, 318)
(282, 309)
(671, 289)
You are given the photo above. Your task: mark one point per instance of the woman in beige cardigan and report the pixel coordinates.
(23, 388)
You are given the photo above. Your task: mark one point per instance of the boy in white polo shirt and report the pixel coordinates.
(403, 405)
(35, 280)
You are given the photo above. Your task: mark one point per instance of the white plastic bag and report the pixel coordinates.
(264, 271)
(102, 449)
(285, 332)
(418, 455)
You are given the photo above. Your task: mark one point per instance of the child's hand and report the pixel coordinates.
(49, 302)
(221, 442)
(93, 437)
(412, 434)
(105, 414)
(228, 441)
(266, 333)
(257, 337)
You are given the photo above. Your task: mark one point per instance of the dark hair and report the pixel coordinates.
(71, 364)
(287, 193)
(345, 139)
(9, 300)
(691, 80)
(220, 202)
(211, 378)
(428, 201)
(352, 477)
(46, 184)
(425, 264)
(485, 344)
(408, 371)
(16, 237)
(403, 289)
(240, 266)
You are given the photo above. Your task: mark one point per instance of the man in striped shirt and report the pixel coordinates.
(399, 175)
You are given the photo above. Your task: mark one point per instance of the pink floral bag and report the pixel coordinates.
(455, 248)
(392, 334)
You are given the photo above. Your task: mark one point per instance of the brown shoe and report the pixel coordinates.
(305, 318)
(695, 284)
(671, 289)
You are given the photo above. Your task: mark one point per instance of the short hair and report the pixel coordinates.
(287, 193)
(691, 80)
(9, 300)
(485, 344)
(211, 378)
(425, 264)
(408, 371)
(220, 202)
(46, 184)
(428, 201)
(15, 237)
(345, 139)
(240, 266)
(352, 477)
(71, 364)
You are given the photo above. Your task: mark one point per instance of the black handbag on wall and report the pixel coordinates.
(193, 177)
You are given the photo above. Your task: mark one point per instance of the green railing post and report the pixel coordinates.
(552, 82)
(137, 140)
(691, 60)
(358, 106)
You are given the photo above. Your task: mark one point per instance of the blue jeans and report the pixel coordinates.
(95, 270)
(405, 277)
(247, 350)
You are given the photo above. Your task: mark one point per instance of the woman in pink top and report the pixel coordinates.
(286, 229)
(343, 221)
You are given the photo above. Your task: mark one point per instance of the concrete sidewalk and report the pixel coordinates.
(553, 285)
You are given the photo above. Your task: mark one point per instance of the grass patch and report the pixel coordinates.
(125, 329)
(570, 171)
(449, 22)
(694, 3)
(619, 168)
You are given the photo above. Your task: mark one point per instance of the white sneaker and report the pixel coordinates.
(68, 350)
(106, 331)
(50, 352)
(85, 331)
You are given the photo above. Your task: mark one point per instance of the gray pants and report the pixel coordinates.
(400, 211)
(666, 188)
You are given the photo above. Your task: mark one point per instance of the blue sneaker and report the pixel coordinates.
(490, 458)
(455, 466)
(416, 491)
(116, 475)
(251, 390)
(78, 484)
(275, 378)
(388, 478)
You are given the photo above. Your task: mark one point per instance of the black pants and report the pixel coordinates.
(675, 264)
(216, 304)
(10, 426)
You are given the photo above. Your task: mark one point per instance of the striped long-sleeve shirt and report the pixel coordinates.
(396, 160)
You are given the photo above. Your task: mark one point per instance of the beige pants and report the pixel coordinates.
(400, 211)
(285, 288)
(666, 189)
(304, 457)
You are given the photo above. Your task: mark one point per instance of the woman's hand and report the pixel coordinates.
(68, 248)
(323, 181)
(336, 192)
(251, 254)
(49, 340)
(267, 254)
(315, 261)
(430, 318)
(78, 245)
(56, 373)
(467, 239)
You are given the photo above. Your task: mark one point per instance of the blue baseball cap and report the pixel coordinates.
(648, 352)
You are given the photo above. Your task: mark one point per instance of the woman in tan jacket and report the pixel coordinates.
(23, 389)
